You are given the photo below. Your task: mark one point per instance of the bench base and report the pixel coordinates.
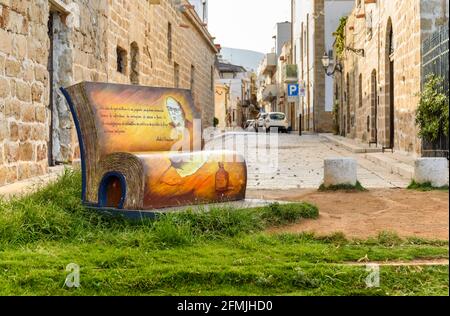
(152, 214)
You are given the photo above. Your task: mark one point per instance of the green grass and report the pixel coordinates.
(222, 252)
(424, 187)
(343, 187)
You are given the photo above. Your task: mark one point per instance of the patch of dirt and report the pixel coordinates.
(366, 214)
(413, 263)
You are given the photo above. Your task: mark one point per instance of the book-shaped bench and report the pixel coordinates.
(138, 150)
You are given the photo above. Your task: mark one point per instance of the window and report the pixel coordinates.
(169, 41)
(360, 91)
(176, 75)
(134, 70)
(121, 60)
(212, 78)
(192, 78)
(301, 44)
(277, 117)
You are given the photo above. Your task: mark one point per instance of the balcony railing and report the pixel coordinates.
(269, 63)
(270, 92)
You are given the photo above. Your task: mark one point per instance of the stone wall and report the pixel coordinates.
(85, 36)
(24, 89)
(368, 28)
(147, 26)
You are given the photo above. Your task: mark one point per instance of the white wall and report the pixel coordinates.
(283, 34)
(334, 10)
(199, 9)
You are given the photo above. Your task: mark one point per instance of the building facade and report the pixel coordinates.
(222, 101)
(47, 44)
(267, 85)
(377, 90)
(270, 70)
(314, 22)
(287, 74)
(239, 81)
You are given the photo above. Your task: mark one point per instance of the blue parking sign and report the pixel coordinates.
(292, 90)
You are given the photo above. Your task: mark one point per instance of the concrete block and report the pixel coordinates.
(433, 170)
(340, 171)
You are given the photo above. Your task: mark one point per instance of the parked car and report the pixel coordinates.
(252, 126)
(248, 123)
(260, 119)
(276, 120)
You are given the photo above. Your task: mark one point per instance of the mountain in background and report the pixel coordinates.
(246, 58)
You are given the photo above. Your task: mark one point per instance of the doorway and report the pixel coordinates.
(390, 89)
(293, 117)
(112, 191)
(50, 62)
(374, 109)
(60, 69)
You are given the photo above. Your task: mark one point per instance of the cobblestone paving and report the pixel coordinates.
(288, 161)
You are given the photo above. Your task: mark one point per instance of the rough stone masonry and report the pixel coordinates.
(46, 44)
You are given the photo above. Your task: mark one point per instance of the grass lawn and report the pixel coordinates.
(222, 252)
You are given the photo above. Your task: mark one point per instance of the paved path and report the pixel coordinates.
(288, 161)
(275, 162)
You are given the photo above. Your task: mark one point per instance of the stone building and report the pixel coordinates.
(267, 85)
(222, 101)
(314, 22)
(377, 90)
(46, 44)
(269, 70)
(238, 80)
(287, 74)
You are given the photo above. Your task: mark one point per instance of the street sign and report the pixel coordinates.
(292, 95)
(302, 89)
(292, 90)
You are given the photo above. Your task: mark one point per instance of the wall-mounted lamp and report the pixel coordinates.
(329, 63)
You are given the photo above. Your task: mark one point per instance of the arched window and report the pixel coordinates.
(134, 71)
(360, 96)
(374, 107)
(121, 60)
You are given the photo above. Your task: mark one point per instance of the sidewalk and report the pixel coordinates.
(396, 162)
(352, 145)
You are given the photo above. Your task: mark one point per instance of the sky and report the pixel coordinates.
(246, 24)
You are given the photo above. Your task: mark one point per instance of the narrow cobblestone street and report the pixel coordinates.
(288, 161)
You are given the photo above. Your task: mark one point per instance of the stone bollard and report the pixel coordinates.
(432, 170)
(338, 171)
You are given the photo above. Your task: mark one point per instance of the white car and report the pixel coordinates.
(277, 120)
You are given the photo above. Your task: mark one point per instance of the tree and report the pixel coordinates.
(432, 114)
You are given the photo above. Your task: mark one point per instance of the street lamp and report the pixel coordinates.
(328, 63)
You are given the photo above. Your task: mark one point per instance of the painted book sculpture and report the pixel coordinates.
(136, 146)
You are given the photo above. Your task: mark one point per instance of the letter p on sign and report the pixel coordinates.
(293, 90)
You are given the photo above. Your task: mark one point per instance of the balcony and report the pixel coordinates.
(269, 92)
(269, 63)
(290, 73)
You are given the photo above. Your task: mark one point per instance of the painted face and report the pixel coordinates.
(176, 113)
